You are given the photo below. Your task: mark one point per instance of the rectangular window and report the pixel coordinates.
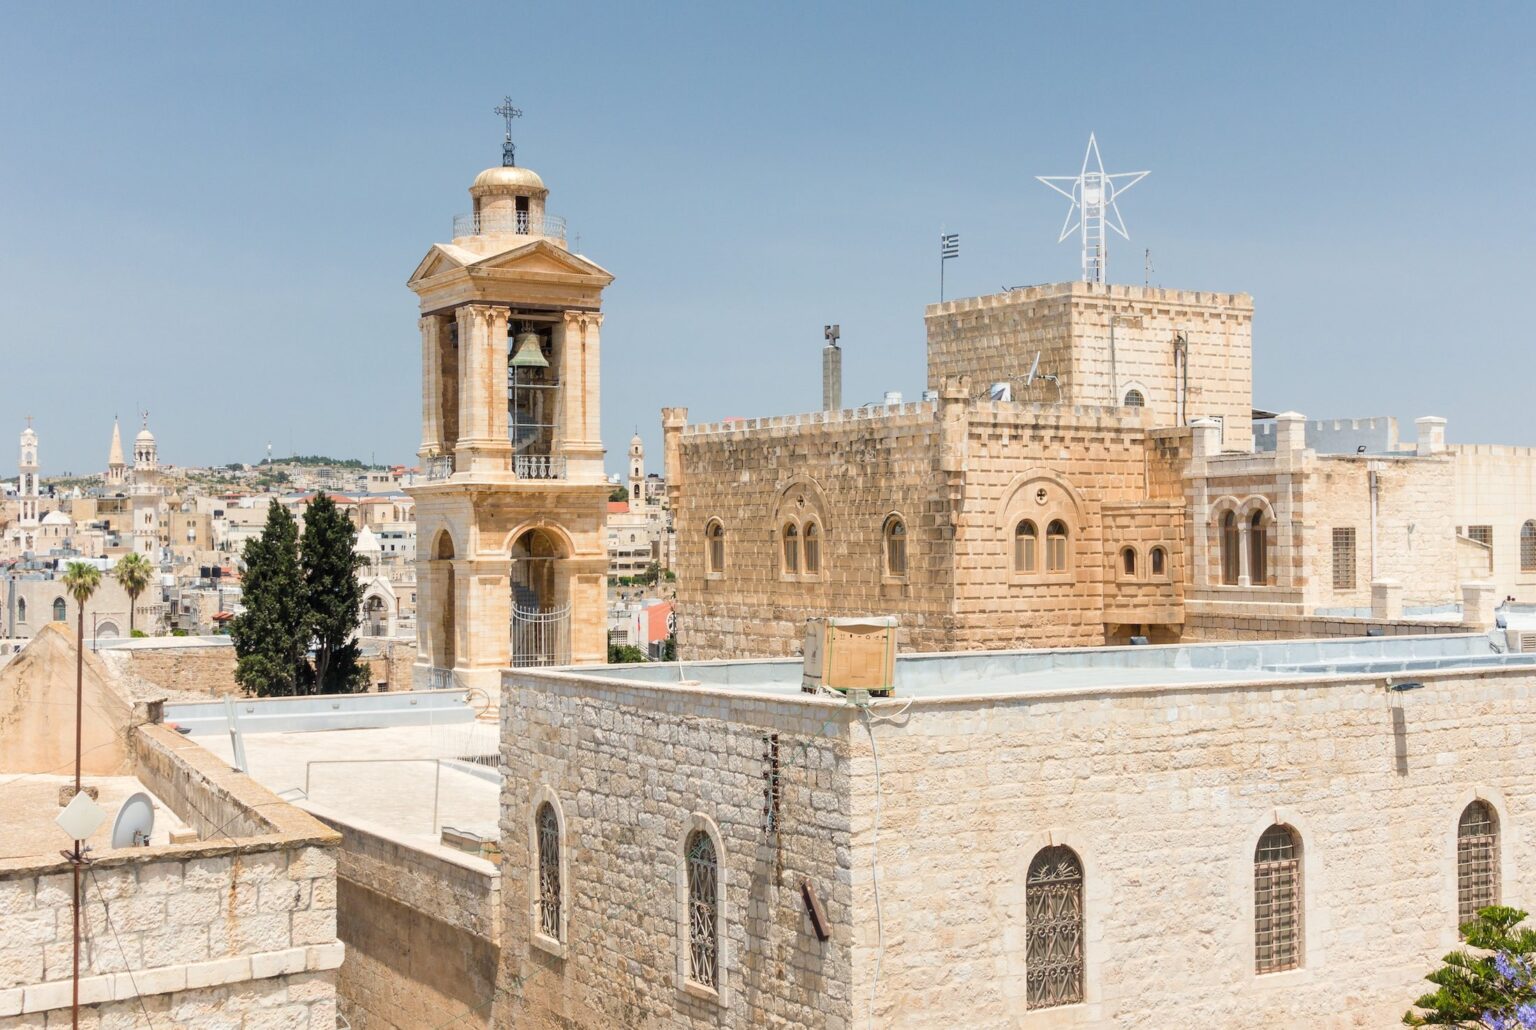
(1482, 534)
(1344, 559)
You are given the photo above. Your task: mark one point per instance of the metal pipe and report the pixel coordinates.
(1375, 492)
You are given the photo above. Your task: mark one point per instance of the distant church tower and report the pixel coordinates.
(511, 563)
(117, 470)
(27, 486)
(146, 492)
(636, 473)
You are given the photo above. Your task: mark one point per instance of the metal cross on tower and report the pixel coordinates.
(508, 150)
(1093, 195)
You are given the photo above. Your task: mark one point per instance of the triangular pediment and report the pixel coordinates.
(442, 257)
(541, 256)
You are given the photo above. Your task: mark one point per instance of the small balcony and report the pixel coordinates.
(519, 223)
(538, 466)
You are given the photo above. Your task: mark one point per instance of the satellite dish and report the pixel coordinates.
(1033, 368)
(134, 822)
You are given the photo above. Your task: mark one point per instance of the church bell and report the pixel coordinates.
(529, 353)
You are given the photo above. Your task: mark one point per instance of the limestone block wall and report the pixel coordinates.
(247, 934)
(1496, 486)
(633, 769)
(851, 472)
(1217, 622)
(422, 931)
(207, 669)
(996, 338)
(1163, 795)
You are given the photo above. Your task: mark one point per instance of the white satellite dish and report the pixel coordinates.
(1034, 367)
(134, 822)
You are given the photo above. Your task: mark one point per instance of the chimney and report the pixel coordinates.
(1431, 434)
(832, 370)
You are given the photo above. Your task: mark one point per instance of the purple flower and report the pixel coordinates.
(1494, 1021)
(1507, 969)
(1526, 1014)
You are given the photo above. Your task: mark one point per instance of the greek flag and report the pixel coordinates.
(949, 246)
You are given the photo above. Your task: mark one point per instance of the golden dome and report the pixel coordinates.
(508, 176)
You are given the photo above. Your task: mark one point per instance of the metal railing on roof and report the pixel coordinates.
(517, 223)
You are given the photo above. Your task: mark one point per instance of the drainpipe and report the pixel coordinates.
(1375, 493)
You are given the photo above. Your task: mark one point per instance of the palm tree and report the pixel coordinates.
(134, 574)
(81, 580)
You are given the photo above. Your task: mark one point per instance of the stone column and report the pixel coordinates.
(586, 586)
(484, 618)
(673, 422)
(1244, 574)
(483, 443)
(1431, 434)
(432, 329)
(581, 394)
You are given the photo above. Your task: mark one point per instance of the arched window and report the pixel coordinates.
(1229, 546)
(714, 547)
(550, 890)
(1134, 399)
(1258, 550)
(811, 546)
(21, 609)
(1277, 901)
(1053, 917)
(1528, 546)
(1056, 546)
(1128, 561)
(1159, 562)
(895, 547)
(58, 609)
(791, 549)
(1477, 861)
(1025, 538)
(703, 910)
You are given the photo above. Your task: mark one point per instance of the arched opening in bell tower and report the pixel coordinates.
(541, 607)
(444, 649)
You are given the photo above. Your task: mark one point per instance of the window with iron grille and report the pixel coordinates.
(714, 536)
(1344, 559)
(1528, 546)
(1477, 861)
(791, 549)
(1053, 915)
(703, 910)
(1230, 541)
(1482, 534)
(895, 547)
(549, 871)
(1056, 546)
(1277, 901)
(812, 548)
(1024, 538)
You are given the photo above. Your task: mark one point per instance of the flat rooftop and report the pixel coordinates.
(1002, 673)
(29, 806)
(407, 781)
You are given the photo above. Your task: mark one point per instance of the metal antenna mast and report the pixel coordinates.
(1093, 195)
(508, 150)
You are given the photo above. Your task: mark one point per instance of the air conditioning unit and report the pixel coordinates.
(1523, 641)
(850, 654)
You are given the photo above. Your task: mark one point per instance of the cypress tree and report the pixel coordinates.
(272, 634)
(333, 594)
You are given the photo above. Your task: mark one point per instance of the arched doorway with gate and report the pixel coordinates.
(541, 603)
(445, 629)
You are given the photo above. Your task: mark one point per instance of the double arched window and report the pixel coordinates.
(894, 535)
(1477, 861)
(1053, 914)
(1026, 540)
(1277, 900)
(714, 548)
(703, 909)
(800, 550)
(1528, 546)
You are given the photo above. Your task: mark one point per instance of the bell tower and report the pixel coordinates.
(636, 473)
(27, 487)
(510, 507)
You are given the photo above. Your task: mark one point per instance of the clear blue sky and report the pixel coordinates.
(211, 210)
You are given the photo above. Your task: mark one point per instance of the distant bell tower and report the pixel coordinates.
(27, 486)
(510, 509)
(636, 473)
(146, 492)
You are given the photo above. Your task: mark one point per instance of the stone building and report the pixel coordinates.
(510, 557)
(1267, 834)
(1084, 471)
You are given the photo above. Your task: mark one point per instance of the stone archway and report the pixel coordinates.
(541, 606)
(445, 639)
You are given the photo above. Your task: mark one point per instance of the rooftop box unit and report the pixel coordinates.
(850, 654)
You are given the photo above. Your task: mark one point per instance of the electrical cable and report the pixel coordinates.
(874, 866)
(127, 966)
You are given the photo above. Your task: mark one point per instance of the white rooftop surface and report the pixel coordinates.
(1001, 673)
(29, 808)
(358, 774)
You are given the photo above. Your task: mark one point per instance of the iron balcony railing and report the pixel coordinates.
(519, 223)
(438, 468)
(539, 466)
